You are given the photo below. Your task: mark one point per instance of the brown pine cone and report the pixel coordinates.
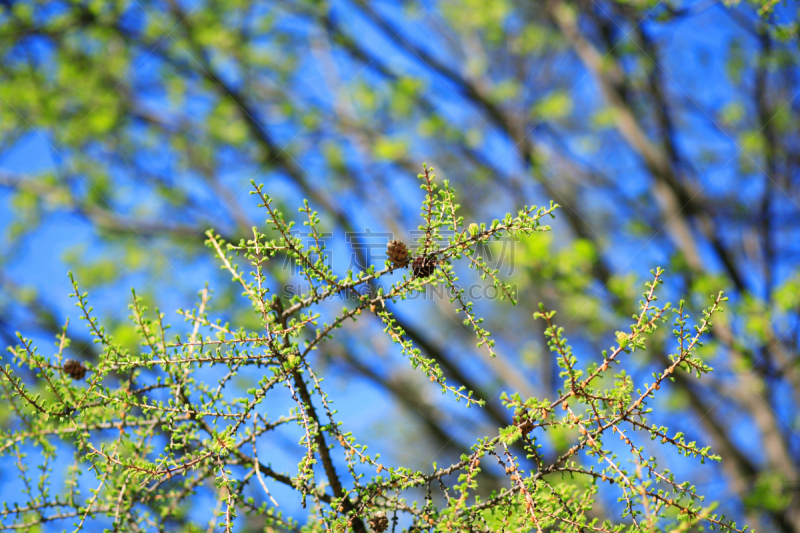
(422, 267)
(398, 253)
(522, 420)
(379, 522)
(74, 369)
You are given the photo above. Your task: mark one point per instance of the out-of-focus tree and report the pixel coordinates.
(666, 131)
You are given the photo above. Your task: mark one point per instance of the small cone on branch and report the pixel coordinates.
(398, 253)
(74, 369)
(379, 522)
(422, 267)
(522, 420)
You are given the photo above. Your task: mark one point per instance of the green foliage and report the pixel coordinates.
(110, 425)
